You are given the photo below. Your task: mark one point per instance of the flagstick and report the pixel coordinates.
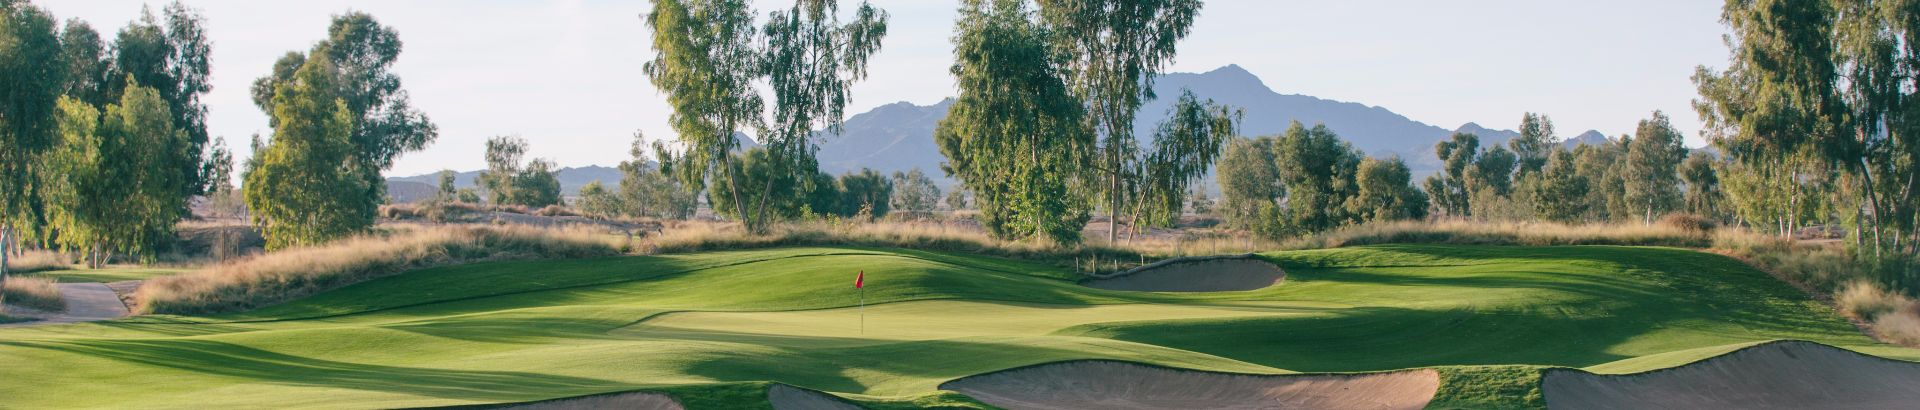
(863, 310)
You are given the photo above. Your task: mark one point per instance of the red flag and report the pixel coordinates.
(860, 280)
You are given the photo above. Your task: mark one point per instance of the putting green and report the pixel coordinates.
(694, 325)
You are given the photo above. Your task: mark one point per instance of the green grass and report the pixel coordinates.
(105, 275)
(711, 328)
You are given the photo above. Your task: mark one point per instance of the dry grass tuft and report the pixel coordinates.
(33, 293)
(268, 279)
(38, 261)
(553, 210)
(1460, 232)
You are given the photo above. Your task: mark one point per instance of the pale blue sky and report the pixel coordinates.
(566, 74)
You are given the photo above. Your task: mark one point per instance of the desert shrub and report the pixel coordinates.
(293, 273)
(400, 211)
(33, 292)
(1901, 328)
(37, 261)
(554, 210)
(1868, 302)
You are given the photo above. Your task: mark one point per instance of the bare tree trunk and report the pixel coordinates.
(6, 234)
(733, 184)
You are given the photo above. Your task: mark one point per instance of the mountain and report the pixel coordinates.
(892, 137)
(1590, 138)
(571, 179)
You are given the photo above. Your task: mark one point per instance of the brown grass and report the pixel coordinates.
(262, 280)
(553, 210)
(38, 261)
(33, 292)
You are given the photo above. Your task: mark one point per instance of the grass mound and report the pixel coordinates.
(263, 280)
(716, 329)
(33, 293)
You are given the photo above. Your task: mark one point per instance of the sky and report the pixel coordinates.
(565, 74)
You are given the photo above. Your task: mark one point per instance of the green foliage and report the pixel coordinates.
(1492, 171)
(1015, 135)
(757, 168)
(1449, 188)
(651, 191)
(114, 190)
(1249, 180)
(913, 191)
(1489, 388)
(1111, 52)
(957, 199)
(467, 195)
(298, 189)
(173, 56)
(1386, 192)
(1703, 195)
(385, 124)
(1652, 168)
(1536, 143)
(596, 200)
(1319, 171)
(537, 184)
(867, 192)
(1561, 194)
(31, 81)
(1185, 146)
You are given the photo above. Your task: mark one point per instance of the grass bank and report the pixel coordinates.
(34, 293)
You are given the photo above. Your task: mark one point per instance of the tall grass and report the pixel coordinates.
(34, 293)
(37, 261)
(262, 280)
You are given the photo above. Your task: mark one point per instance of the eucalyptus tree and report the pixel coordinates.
(89, 64)
(1535, 145)
(1561, 195)
(385, 124)
(1185, 146)
(1703, 194)
(1385, 192)
(649, 189)
(296, 186)
(31, 80)
(1320, 173)
(173, 56)
(865, 192)
(913, 191)
(1112, 50)
(113, 191)
(1249, 180)
(708, 54)
(1449, 188)
(1652, 167)
(1015, 136)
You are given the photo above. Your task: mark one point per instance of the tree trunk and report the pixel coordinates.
(1113, 204)
(733, 184)
(6, 234)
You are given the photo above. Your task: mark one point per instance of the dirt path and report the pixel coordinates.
(86, 302)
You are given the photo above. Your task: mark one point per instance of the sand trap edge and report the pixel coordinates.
(1433, 387)
(586, 402)
(1551, 375)
(788, 397)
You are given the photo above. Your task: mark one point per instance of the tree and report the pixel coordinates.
(649, 190)
(1492, 170)
(447, 190)
(31, 79)
(89, 67)
(1536, 143)
(302, 187)
(1386, 192)
(865, 192)
(757, 167)
(957, 200)
(1652, 168)
(1113, 51)
(1014, 136)
(222, 199)
(385, 124)
(1562, 194)
(507, 182)
(117, 191)
(913, 191)
(173, 57)
(1703, 194)
(595, 199)
(1185, 146)
(707, 57)
(1449, 188)
(1319, 171)
(1249, 180)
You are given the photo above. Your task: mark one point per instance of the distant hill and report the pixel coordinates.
(892, 137)
(571, 179)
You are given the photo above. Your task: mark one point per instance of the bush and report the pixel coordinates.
(294, 273)
(1690, 222)
(34, 293)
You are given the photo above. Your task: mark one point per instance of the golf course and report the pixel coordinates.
(720, 330)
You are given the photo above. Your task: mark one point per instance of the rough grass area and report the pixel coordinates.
(263, 280)
(37, 261)
(1489, 388)
(35, 293)
(713, 328)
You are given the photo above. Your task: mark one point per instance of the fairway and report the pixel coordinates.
(711, 328)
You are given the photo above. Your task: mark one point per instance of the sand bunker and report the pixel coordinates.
(617, 401)
(1223, 274)
(1097, 384)
(786, 397)
(1778, 375)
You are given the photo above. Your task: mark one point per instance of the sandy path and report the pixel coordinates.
(1778, 375)
(1099, 384)
(86, 302)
